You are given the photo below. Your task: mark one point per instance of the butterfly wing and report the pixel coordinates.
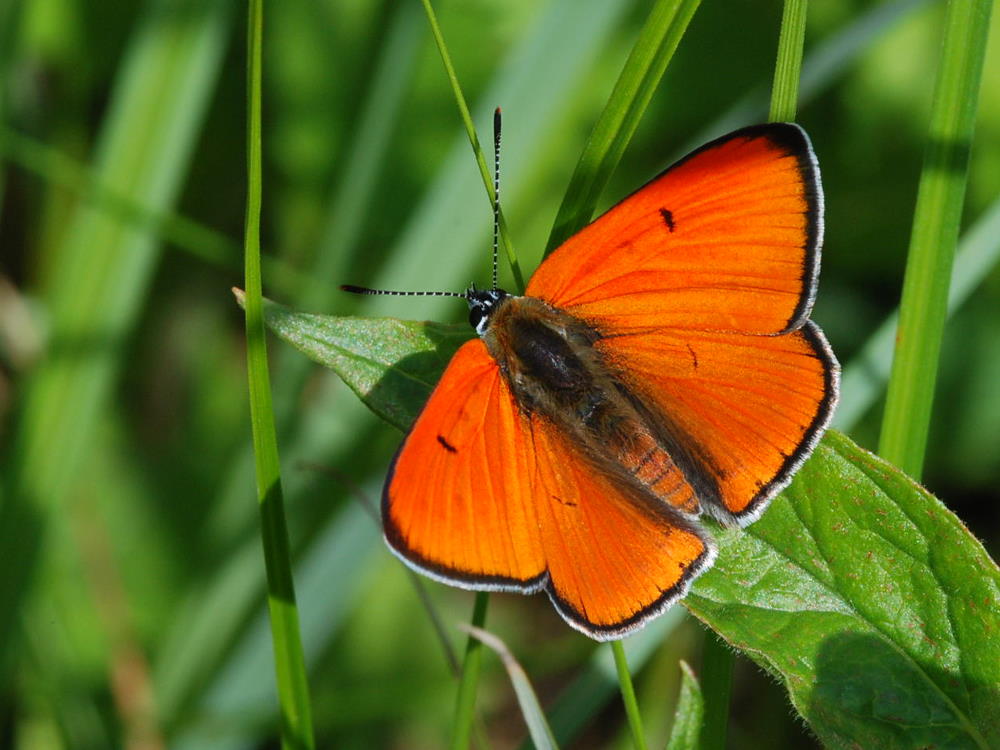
(615, 556)
(486, 496)
(458, 502)
(753, 405)
(690, 283)
(727, 239)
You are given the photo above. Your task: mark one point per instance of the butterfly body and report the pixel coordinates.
(660, 365)
(554, 372)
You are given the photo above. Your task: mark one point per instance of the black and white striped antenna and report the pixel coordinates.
(496, 192)
(468, 294)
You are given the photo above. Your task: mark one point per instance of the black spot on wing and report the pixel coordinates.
(694, 357)
(446, 445)
(668, 219)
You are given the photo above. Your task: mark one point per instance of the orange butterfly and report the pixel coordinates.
(661, 364)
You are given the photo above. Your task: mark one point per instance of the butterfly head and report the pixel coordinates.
(482, 303)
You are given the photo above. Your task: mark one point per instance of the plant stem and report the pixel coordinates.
(468, 683)
(788, 67)
(716, 685)
(470, 130)
(292, 684)
(640, 76)
(936, 221)
(628, 696)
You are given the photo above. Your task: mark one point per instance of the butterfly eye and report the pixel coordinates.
(477, 318)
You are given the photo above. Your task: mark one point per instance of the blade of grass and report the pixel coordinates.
(290, 668)
(652, 52)
(597, 683)
(936, 220)
(470, 129)
(628, 696)
(465, 703)
(527, 699)
(103, 270)
(194, 238)
(787, 69)
(717, 661)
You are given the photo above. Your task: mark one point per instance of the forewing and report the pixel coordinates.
(458, 502)
(727, 239)
(750, 408)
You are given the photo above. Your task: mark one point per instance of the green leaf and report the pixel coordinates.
(392, 365)
(689, 714)
(871, 602)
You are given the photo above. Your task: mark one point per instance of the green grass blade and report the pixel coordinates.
(936, 220)
(787, 69)
(653, 50)
(485, 170)
(292, 682)
(465, 702)
(717, 661)
(597, 683)
(102, 270)
(628, 696)
(527, 699)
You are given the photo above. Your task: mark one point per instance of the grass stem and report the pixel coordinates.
(628, 696)
(292, 683)
(716, 684)
(936, 222)
(465, 704)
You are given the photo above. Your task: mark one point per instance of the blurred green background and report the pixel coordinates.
(131, 602)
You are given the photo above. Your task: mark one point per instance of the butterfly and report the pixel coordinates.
(660, 365)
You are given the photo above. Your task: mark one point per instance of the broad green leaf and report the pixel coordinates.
(391, 364)
(871, 602)
(689, 714)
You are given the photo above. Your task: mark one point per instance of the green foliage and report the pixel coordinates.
(130, 533)
(872, 603)
(862, 592)
(290, 667)
(689, 712)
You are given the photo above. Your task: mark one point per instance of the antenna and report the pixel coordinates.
(472, 293)
(392, 293)
(496, 192)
